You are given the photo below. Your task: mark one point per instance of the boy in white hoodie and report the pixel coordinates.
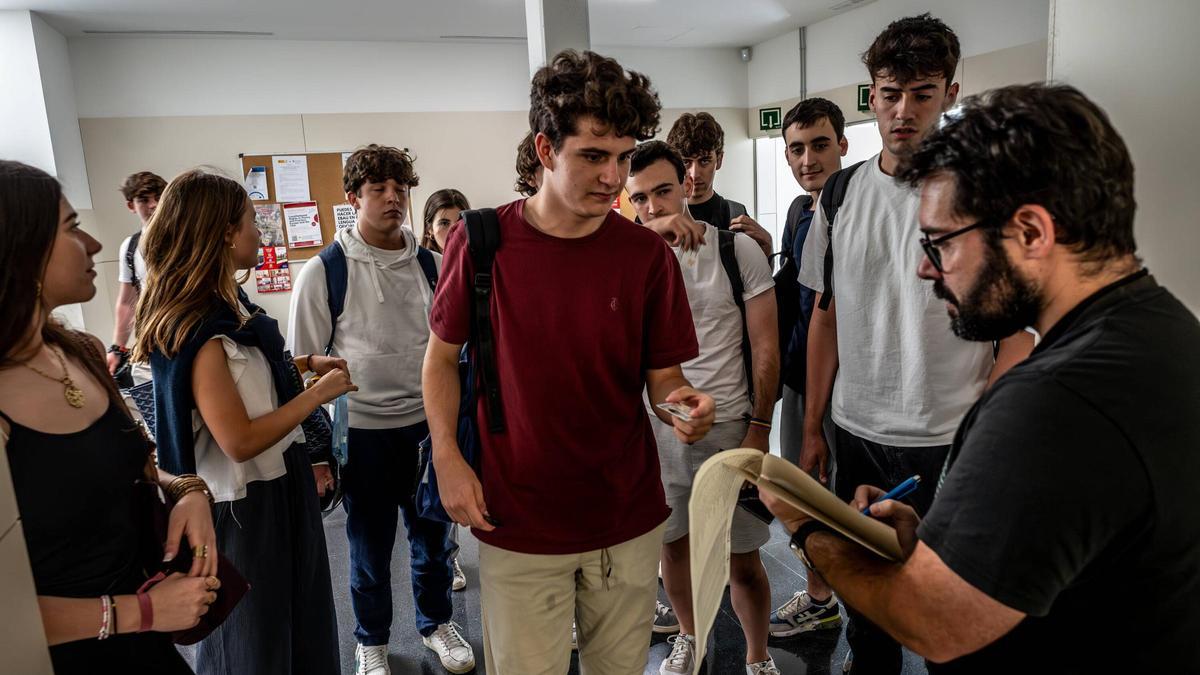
(382, 330)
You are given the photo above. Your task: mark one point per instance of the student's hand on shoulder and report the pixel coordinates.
(704, 411)
(679, 230)
(899, 515)
(752, 229)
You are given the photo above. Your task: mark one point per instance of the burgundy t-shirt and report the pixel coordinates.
(577, 324)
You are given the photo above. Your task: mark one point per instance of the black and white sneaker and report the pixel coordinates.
(802, 615)
(665, 621)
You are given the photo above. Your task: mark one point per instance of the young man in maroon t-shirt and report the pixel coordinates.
(589, 310)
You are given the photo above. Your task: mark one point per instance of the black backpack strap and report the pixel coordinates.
(832, 197)
(336, 282)
(428, 266)
(483, 239)
(727, 249)
(131, 257)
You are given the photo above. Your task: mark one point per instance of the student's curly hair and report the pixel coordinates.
(143, 184)
(574, 85)
(1037, 144)
(527, 166)
(376, 164)
(914, 48)
(696, 134)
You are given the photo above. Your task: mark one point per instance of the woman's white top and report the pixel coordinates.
(226, 478)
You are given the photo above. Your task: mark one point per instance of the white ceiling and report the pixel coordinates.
(638, 23)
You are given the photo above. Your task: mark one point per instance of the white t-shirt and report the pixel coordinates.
(226, 478)
(719, 371)
(904, 378)
(139, 264)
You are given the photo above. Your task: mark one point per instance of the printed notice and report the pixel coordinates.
(291, 178)
(269, 221)
(303, 224)
(272, 275)
(256, 183)
(344, 216)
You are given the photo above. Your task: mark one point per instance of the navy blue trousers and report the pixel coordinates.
(378, 482)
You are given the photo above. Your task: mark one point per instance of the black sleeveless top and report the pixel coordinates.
(77, 498)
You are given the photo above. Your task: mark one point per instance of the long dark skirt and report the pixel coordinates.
(286, 624)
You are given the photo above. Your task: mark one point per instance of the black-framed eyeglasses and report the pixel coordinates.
(931, 249)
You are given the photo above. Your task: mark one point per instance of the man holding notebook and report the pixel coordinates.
(1075, 472)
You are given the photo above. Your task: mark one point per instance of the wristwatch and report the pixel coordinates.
(801, 535)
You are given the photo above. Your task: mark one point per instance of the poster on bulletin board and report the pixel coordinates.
(271, 274)
(303, 224)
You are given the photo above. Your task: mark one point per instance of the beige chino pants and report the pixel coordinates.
(528, 602)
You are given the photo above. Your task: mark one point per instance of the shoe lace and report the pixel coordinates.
(449, 636)
(373, 659)
(765, 668)
(793, 606)
(681, 651)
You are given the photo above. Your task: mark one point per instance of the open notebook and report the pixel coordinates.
(714, 497)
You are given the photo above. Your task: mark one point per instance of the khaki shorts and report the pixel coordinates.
(681, 461)
(528, 602)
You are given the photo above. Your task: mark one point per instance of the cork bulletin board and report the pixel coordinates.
(324, 186)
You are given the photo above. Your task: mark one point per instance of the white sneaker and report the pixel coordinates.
(454, 652)
(762, 668)
(683, 654)
(460, 579)
(371, 660)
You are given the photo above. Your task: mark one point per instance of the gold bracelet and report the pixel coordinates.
(185, 484)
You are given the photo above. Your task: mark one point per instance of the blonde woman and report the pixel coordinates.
(226, 410)
(77, 458)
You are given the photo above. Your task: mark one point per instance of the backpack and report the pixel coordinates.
(318, 427)
(130, 256)
(476, 368)
(832, 196)
(787, 287)
(726, 247)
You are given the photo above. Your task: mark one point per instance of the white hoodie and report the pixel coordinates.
(382, 332)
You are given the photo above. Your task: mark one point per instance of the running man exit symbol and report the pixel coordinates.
(769, 118)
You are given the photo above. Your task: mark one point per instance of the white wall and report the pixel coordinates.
(835, 45)
(25, 131)
(774, 72)
(146, 77)
(58, 92)
(1138, 62)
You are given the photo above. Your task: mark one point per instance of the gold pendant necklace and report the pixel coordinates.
(71, 391)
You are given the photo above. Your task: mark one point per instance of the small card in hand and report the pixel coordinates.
(748, 499)
(677, 410)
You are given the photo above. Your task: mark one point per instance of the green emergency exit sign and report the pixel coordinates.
(770, 119)
(864, 98)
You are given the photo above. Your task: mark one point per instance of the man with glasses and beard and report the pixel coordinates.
(1074, 473)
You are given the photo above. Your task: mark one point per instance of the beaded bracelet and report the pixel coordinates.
(105, 616)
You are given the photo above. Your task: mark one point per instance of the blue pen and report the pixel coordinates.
(902, 490)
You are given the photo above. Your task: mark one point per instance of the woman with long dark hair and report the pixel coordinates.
(227, 409)
(77, 458)
(441, 211)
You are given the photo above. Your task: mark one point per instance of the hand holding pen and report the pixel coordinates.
(899, 492)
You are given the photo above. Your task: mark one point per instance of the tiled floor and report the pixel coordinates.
(812, 653)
